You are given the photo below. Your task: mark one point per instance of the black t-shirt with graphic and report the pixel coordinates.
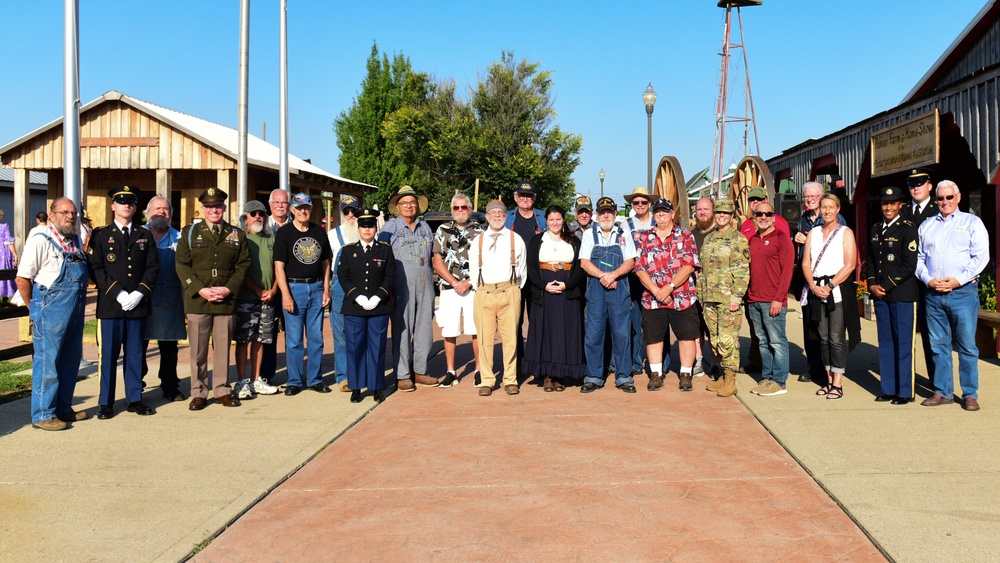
(302, 252)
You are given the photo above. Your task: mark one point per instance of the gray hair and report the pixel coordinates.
(808, 185)
(149, 206)
(947, 184)
(270, 196)
(52, 206)
(462, 197)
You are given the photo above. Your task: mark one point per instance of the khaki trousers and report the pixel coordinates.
(495, 309)
(200, 329)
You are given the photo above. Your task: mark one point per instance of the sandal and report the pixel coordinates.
(557, 384)
(547, 385)
(824, 390)
(834, 393)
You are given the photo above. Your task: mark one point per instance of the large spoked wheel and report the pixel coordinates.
(751, 172)
(669, 184)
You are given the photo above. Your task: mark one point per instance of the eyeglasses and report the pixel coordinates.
(304, 208)
(639, 202)
(351, 211)
(525, 196)
(278, 202)
(407, 204)
(763, 213)
(214, 206)
(257, 213)
(946, 197)
(459, 207)
(66, 213)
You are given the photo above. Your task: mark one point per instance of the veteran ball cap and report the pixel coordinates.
(124, 194)
(212, 196)
(892, 193)
(368, 218)
(918, 176)
(301, 200)
(526, 188)
(725, 206)
(583, 204)
(664, 204)
(348, 201)
(757, 192)
(607, 204)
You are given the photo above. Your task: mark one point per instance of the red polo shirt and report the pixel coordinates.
(772, 260)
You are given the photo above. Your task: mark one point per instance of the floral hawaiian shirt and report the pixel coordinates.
(662, 259)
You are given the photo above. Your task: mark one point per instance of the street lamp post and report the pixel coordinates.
(649, 98)
(601, 176)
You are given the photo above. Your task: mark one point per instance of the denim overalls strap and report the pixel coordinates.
(336, 259)
(607, 259)
(69, 290)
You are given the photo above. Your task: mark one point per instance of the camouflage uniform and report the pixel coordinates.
(725, 274)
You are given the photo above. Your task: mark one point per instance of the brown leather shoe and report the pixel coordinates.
(72, 416)
(485, 391)
(425, 380)
(936, 400)
(228, 401)
(685, 382)
(197, 404)
(547, 385)
(50, 424)
(655, 382)
(405, 385)
(970, 404)
(511, 389)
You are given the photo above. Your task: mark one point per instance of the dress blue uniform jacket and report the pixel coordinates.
(371, 276)
(892, 260)
(118, 265)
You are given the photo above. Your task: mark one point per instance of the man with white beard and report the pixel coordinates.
(346, 233)
(255, 304)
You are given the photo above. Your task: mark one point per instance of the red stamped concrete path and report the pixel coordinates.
(445, 475)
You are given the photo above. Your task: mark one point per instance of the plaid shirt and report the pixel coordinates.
(662, 259)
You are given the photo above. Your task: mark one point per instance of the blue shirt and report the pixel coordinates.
(955, 246)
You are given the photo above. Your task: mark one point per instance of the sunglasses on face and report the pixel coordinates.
(946, 197)
(763, 213)
(351, 211)
(459, 207)
(639, 202)
(258, 213)
(753, 199)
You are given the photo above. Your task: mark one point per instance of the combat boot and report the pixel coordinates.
(728, 388)
(715, 384)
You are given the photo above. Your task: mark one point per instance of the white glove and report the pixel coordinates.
(374, 300)
(123, 299)
(363, 301)
(136, 298)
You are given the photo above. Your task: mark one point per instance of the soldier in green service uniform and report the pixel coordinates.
(725, 274)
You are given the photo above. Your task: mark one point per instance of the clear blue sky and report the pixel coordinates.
(816, 66)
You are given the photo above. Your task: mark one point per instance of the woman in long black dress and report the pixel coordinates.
(555, 330)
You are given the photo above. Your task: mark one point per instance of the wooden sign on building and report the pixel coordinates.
(913, 143)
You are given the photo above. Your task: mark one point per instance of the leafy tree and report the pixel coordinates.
(365, 155)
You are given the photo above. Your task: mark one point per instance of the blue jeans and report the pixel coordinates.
(953, 316)
(337, 324)
(603, 307)
(773, 341)
(306, 318)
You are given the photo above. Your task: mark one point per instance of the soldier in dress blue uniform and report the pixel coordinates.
(124, 264)
(892, 282)
(367, 272)
(920, 208)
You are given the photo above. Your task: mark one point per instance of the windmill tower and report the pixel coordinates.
(732, 78)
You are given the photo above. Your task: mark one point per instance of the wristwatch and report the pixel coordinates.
(672, 286)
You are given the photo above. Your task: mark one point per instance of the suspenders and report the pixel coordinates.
(513, 259)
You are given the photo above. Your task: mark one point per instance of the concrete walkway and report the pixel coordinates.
(442, 474)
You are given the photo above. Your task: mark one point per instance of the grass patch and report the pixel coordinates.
(90, 327)
(14, 386)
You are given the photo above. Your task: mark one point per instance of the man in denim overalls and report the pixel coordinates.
(52, 280)
(607, 255)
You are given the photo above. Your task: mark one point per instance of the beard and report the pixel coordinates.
(257, 227)
(349, 230)
(704, 225)
(67, 229)
(159, 223)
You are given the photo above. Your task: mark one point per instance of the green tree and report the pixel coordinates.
(365, 156)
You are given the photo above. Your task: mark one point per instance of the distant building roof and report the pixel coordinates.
(39, 178)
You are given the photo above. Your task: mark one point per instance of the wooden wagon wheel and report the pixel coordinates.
(751, 172)
(669, 184)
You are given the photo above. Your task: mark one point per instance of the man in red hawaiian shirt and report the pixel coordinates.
(668, 256)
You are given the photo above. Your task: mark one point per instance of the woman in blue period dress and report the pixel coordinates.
(8, 261)
(555, 317)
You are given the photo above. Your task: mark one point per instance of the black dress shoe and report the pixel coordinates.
(589, 387)
(105, 412)
(627, 387)
(320, 388)
(140, 408)
(901, 400)
(378, 396)
(883, 398)
(174, 396)
(805, 378)
(355, 395)
(292, 390)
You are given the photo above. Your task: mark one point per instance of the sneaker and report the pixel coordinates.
(243, 389)
(262, 387)
(760, 387)
(698, 371)
(771, 388)
(449, 380)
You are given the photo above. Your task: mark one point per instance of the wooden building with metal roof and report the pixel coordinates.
(162, 151)
(949, 121)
